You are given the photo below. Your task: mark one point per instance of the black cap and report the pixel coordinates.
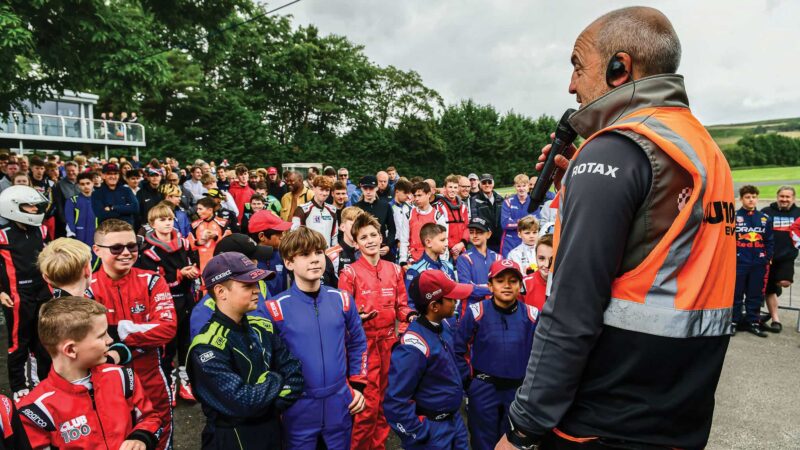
(368, 181)
(242, 243)
(487, 176)
(110, 168)
(479, 223)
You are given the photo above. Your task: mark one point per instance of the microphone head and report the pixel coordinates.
(564, 131)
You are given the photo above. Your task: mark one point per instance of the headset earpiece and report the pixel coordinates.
(614, 70)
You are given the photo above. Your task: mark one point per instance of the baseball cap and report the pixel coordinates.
(110, 168)
(265, 220)
(272, 171)
(473, 176)
(233, 266)
(504, 265)
(433, 285)
(368, 181)
(487, 177)
(241, 243)
(479, 223)
(151, 172)
(214, 193)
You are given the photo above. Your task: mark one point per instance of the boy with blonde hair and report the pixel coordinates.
(167, 253)
(514, 208)
(525, 253)
(66, 266)
(85, 403)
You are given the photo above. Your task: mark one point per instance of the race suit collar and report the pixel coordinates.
(227, 322)
(653, 91)
(171, 246)
(510, 310)
(429, 325)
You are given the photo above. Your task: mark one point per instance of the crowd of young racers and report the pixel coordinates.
(298, 312)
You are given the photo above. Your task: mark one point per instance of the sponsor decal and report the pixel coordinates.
(721, 211)
(606, 170)
(430, 295)
(34, 417)
(74, 429)
(137, 308)
(207, 356)
(683, 197)
(220, 276)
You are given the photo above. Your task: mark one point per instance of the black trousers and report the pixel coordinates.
(23, 337)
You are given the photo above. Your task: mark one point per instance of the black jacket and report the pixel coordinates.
(383, 212)
(490, 212)
(782, 219)
(147, 197)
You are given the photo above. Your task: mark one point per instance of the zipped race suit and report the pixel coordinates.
(376, 288)
(321, 218)
(473, 268)
(141, 313)
(492, 345)
(20, 278)
(416, 220)
(754, 248)
(167, 259)
(457, 216)
(63, 415)
(425, 390)
(12, 431)
(244, 376)
(324, 331)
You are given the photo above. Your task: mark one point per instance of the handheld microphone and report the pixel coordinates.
(564, 137)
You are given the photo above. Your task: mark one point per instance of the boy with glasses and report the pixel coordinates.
(141, 313)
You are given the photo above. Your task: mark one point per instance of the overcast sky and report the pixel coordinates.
(740, 58)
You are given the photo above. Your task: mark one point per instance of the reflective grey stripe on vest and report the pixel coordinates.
(657, 315)
(667, 321)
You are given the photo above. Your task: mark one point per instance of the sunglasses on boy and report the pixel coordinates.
(117, 249)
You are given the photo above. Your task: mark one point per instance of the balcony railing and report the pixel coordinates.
(50, 128)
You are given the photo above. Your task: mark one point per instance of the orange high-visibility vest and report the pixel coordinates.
(684, 286)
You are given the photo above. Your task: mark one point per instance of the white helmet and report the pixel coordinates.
(13, 197)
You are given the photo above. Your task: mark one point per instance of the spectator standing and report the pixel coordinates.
(275, 186)
(12, 168)
(401, 210)
(339, 199)
(754, 246)
(474, 184)
(78, 213)
(353, 193)
(783, 212)
(241, 190)
(488, 205)
(297, 194)
(464, 194)
(64, 189)
(318, 215)
(194, 186)
(172, 195)
(457, 217)
(44, 185)
(412, 245)
(112, 200)
(384, 189)
(133, 179)
(514, 208)
(149, 194)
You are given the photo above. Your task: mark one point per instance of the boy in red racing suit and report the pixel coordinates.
(379, 290)
(85, 403)
(141, 313)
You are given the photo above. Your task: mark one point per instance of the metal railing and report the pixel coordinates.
(72, 128)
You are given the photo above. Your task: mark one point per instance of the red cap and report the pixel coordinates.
(503, 265)
(266, 220)
(433, 285)
(272, 171)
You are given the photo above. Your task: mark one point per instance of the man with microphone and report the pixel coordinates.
(630, 345)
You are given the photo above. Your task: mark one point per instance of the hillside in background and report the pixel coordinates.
(729, 134)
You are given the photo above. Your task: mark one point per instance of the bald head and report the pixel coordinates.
(643, 33)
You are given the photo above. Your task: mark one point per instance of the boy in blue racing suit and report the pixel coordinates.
(493, 342)
(322, 327)
(424, 392)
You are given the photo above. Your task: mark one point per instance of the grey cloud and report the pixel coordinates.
(739, 58)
